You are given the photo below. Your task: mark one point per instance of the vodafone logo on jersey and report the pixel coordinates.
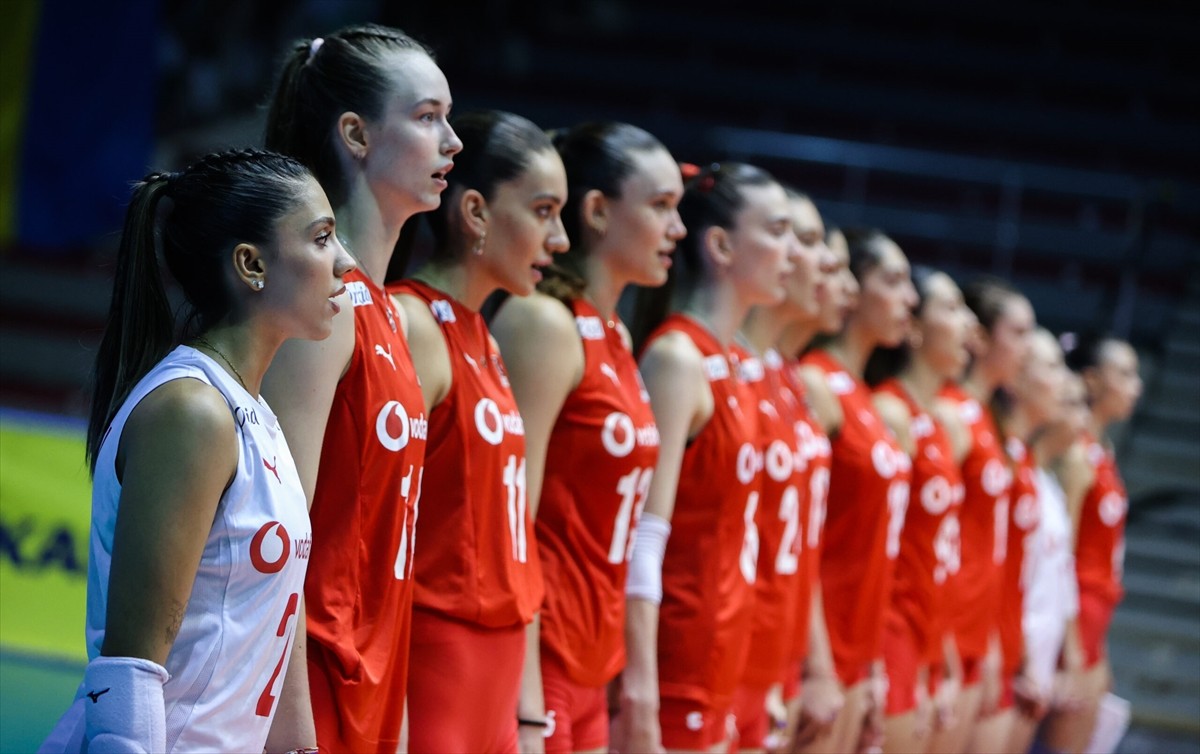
(748, 463)
(888, 461)
(492, 424)
(936, 495)
(1112, 508)
(1027, 513)
(391, 426)
(779, 461)
(269, 554)
(994, 478)
(618, 436)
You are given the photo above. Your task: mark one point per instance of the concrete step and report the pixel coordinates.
(1138, 627)
(1181, 352)
(1175, 594)
(1145, 479)
(1176, 389)
(1146, 551)
(1162, 669)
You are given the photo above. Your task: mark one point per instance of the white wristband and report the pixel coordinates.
(645, 565)
(124, 707)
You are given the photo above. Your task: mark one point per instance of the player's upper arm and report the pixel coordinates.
(427, 344)
(543, 356)
(898, 418)
(177, 454)
(673, 371)
(826, 408)
(946, 414)
(300, 385)
(1076, 476)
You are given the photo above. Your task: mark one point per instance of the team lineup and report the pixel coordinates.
(797, 496)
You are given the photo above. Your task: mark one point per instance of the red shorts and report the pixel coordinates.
(793, 682)
(463, 685)
(750, 714)
(689, 725)
(1095, 615)
(577, 715)
(901, 658)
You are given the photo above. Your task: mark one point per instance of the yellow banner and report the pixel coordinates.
(45, 510)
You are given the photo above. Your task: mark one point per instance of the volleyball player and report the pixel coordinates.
(1098, 504)
(907, 381)
(811, 691)
(200, 533)
(695, 557)
(869, 484)
(1033, 403)
(590, 439)
(1005, 321)
(366, 109)
(477, 574)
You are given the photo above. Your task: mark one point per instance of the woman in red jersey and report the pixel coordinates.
(590, 439)
(907, 380)
(868, 490)
(792, 505)
(1005, 321)
(365, 108)
(811, 691)
(1035, 402)
(478, 581)
(695, 557)
(1098, 505)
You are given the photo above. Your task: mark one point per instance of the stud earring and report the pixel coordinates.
(478, 250)
(258, 284)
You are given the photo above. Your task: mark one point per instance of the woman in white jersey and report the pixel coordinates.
(200, 534)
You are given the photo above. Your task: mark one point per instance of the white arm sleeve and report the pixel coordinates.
(124, 706)
(645, 565)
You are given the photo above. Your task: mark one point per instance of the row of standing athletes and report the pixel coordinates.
(499, 552)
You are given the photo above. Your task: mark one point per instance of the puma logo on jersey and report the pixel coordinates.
(472, 362)
(767, 408)
(273, 468)
(386, 354)
(95, 695)
(611, 374)
(734, 405)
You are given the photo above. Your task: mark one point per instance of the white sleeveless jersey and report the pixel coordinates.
(229, 659)
(1051, 596)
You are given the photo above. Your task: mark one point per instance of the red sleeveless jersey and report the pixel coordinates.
(1025, 512)
(1100, 549)
(817, 459)
(868, 495)
(782, 509)
(599, 463)
(359, 596)
(984, 520)
(930, 549)
(477, 555)
(712, 554)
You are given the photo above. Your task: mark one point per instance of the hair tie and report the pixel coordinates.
(312, 49)
(689, 170)
(1068, 341)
